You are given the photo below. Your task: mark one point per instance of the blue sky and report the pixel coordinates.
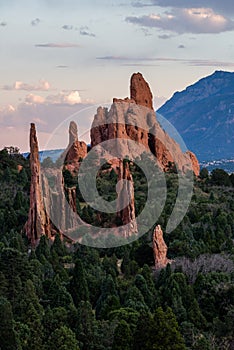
(60, 57)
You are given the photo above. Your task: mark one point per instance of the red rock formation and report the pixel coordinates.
(38, 223)
(159, 249)
(19, 168)
(131, 119)
(195, 164)
(125, 203)
(75, 151)
(71, 195)
(140, 91)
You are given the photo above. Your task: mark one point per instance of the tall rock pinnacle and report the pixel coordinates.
(38, 223)
(73, 133)
(76, 149)
(140, 91)
(159, 249)
(126, 199)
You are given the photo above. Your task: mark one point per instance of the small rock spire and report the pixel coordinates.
(73, 133)
(159, 249)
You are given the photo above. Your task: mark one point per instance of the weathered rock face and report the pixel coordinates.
(75, 151)
(59, 201)
(71, 195)
(159, 249)
(196, 165)
(125, 203)
(140, 91)
(73, 133)
(38, 223)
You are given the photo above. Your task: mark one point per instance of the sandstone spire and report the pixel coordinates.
(159, 249)
(76, 149)
(140, 91)
(126, 199)
(73, 133)
(38, 223)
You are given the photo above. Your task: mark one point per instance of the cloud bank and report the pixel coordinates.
(224, 6)
(58, 45)
(142, 61)
(43, 85)
(186, 20)
(63, 98)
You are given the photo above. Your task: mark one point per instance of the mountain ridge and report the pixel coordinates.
(203, 114)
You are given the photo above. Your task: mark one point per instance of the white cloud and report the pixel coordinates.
(34, 99)
(15, 123)
(42, 85)
(63, 98)
(70, 98)
(224, 6)
(186, 20)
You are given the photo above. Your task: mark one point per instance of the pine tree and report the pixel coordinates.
(8, 339)
(62, 339)
(78, 285)
(123, 337)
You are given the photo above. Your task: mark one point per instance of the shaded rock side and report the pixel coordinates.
(38, 223)
(59, 201)
(159, 249)
(75, 151)
(125, 202)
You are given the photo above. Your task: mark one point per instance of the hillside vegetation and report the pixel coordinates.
(76, 297)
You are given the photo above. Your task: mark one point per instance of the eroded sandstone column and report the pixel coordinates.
(125, 204)
(38, 223)
(75, 151)
(159, 249)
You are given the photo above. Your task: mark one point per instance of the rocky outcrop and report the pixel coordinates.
(75, 151)
(125, 203)
(140, 91)
(131, 119)
(195, 163)
(38, 223)
(159, 249)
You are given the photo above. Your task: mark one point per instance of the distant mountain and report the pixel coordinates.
(203, 114)
(53, 154)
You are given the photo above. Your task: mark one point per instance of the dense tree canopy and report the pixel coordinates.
(62, 297)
